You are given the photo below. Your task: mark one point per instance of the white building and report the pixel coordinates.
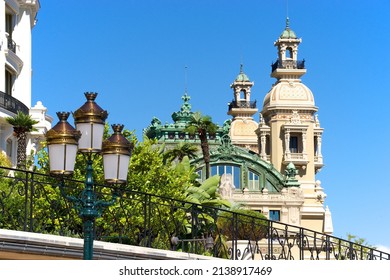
(17, 19)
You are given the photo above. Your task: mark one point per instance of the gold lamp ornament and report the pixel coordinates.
(89, 120)
(116, 152)
(62, 143)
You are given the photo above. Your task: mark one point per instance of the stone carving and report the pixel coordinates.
(295, 117)
(317, 121)
(320, 192)
(288, 92)
(261, 120)
(226, 187)
(226, 126)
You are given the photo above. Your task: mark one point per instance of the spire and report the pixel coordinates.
(242, 77)
(287, 32)
(185, 78)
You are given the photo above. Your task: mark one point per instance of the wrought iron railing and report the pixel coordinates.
(11, 44)
(12, 104)
(32, 202)
(288, 64)
(242, 104)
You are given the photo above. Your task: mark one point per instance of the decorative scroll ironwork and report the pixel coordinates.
(32, 202)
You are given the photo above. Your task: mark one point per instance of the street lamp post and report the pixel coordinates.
(64, 142)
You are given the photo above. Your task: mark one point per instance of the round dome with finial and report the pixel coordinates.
(288, 33)
(242, 77)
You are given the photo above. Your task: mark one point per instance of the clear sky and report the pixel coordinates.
(134, 54)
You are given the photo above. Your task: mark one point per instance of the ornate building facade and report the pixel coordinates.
(17, 19)
(270, 165)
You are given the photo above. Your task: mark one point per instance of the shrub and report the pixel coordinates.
(242, 224)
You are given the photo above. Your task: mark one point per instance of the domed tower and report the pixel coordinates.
(289, 131)
(242, 128)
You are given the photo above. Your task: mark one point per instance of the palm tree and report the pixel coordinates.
(180, 151)
(202, 126)
(22, 124)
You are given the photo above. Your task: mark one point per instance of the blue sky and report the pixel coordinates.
(134, 53)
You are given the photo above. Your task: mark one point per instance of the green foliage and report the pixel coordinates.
(4, 160)
(143, 219)
(180, 151)
(352, 249)
(62, 219)
(148, 172)
(206, 194)
(247, 225)
(202, 126)
(358, 240)
(22, 122)
(138, 218)
(12, 197)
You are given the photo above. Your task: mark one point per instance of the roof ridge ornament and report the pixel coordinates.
(226, 148)
(185, 113)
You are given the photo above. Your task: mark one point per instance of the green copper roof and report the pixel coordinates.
(242, 77)
(288, 33)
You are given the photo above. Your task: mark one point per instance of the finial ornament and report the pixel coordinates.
(186, 107)
(317, 121)
(290, 173)
(262, 122)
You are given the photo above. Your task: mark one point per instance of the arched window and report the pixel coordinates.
(221, 169)
(242, 95)
(289, 53)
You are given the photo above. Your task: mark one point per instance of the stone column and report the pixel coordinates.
(263, 144)
(304, 153)
(287, 143)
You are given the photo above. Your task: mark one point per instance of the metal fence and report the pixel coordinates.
(33, 202)
(12, 104)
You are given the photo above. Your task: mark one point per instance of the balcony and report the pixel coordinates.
(242, 104)
(318, 162)
(12, 104)
(288, 64)
(13, 61)
(296, 158)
